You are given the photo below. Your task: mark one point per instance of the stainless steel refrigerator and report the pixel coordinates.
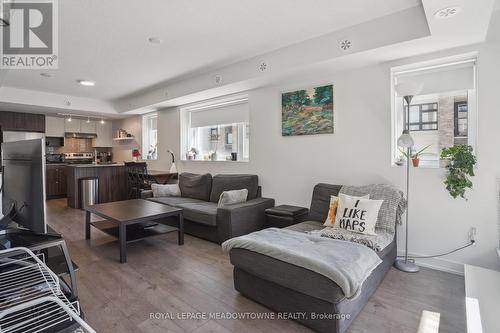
(10, 136)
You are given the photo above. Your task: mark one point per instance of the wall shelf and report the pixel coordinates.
(124, 139)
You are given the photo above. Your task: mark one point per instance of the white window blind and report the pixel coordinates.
(438, 79)
(216, 130)
(219, 115)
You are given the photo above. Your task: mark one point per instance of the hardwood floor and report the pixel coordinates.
(162, 278)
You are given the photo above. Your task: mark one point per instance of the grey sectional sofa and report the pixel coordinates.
(284, 287)
(202, 217)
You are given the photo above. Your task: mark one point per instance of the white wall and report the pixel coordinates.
(122, 150)
(359, 153)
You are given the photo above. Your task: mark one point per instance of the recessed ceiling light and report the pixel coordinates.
(47, 74)
(155, 40)
(447, 12)
(86, 83)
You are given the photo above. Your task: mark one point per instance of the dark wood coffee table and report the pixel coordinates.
(132, 220)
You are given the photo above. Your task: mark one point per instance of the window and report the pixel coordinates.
(423, 117)
(150, 136)
(442, 114)
(216, 131)
(461, 121)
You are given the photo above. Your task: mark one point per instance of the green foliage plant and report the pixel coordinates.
(460, 168)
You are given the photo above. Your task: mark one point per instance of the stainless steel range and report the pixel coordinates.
(78, 158)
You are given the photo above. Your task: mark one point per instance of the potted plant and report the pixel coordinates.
(415, 156)
(191, 154)
(135, 154)
(460, 168)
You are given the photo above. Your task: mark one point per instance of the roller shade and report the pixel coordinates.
(220, 115)
(443, 79)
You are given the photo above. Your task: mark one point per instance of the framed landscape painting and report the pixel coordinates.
(307, 112)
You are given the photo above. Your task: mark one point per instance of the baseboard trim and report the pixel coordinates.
(438, 264)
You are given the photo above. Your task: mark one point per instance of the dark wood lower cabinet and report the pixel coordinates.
(112, 182)
(56, 180)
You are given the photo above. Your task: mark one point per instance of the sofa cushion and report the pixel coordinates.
(195, 186)
(165, 190)
(174, 201)
(200, 212)
(232, 197)
(223, 183)
(320, 203)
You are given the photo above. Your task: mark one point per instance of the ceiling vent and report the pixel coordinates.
(263, 66)
(447, 12)
(345, 44)
(217, 80)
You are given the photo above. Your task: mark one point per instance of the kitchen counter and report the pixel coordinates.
(96, 165)
(112, 182)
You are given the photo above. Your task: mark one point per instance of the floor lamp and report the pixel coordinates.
(406, 142)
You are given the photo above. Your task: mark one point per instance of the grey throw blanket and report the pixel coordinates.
(376, 242)
(392, 208)
(345, 263)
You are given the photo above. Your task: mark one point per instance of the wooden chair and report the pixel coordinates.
(137, 178)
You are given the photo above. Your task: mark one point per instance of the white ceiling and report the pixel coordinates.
(106, 41)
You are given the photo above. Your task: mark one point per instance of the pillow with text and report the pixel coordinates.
(332, 211)
(357, 214)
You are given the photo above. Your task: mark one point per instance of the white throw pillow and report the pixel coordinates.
(357, 214)
(167, 190)
(332, 211)
(232, 197)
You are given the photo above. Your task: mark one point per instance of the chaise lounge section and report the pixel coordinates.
(203, 218)
(289, 288)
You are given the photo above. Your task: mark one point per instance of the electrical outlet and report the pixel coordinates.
(472, 235)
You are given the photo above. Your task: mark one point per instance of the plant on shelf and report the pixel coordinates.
(135, 154)
(415, 156)
(460, 168)
(191, 154)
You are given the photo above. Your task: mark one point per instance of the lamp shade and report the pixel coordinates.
(409, 88)
(405, 140)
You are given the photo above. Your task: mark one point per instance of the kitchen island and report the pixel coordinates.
(112, 182)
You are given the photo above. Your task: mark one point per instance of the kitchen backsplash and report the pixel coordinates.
(75, 145)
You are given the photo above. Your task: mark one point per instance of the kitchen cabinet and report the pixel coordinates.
(25, 122)
(113, 184)
(56, 180)
(54, 126)
(104, 135)
(88, 126)
(72, 126)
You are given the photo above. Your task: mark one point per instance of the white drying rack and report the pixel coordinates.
(31, 299)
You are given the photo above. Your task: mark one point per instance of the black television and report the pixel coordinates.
(23, 185)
